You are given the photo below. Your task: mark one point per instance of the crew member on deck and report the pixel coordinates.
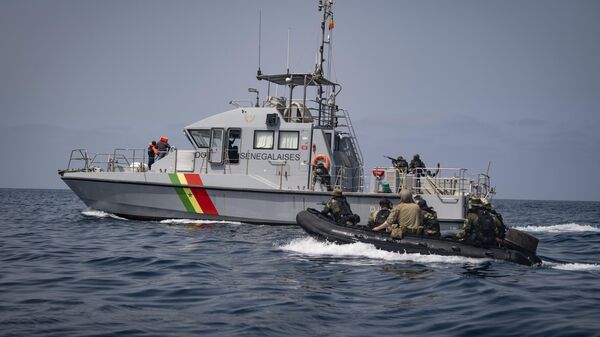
(163, 147)
(152, 153)
(416, 166)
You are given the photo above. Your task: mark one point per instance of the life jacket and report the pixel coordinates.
(153, 148)
(382, 216)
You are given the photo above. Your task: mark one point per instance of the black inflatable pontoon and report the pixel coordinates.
(323, 227)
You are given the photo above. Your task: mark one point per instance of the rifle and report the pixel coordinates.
(394, 160)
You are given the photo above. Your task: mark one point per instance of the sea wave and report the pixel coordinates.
(569, 227)
(310, 246)
(101, 214)
(196, 222)
(573, 266)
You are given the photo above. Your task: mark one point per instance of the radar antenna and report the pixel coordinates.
(326, 6)
(258, 72)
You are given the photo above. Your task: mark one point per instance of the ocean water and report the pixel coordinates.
(69, 271)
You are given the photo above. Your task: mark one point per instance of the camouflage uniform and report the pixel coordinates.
(378, 217)
(405, 218)
(416, 165)
(430, 222)
(401, 164)
(338, 208)
(479, 229)
(482, 225)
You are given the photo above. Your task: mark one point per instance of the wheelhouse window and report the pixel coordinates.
(288, 140)
(201, 138)
(233, 147)
(263, 139)
(328, 139)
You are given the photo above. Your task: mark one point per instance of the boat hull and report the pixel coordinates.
(324, 228)
(161, 200)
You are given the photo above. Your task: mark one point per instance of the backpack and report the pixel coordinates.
(381, 216)
(485, 230)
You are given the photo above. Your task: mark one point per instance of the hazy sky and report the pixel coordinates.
(516, 83)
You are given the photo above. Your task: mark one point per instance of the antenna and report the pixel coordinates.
(288, 52)
(258, 72)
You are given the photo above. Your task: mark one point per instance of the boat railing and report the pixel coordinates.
(120, 160)
(348, 178)
(128, 160)
(356, 145)
(481, 187)
(79, 156)
(446, 183)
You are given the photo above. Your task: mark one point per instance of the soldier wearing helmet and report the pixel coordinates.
(339, 209)
(378, 217)
(482, 225)
(416, 165)
(404, 218)
(431, 224)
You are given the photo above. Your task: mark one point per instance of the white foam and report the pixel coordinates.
(101, 214)
(196, 222)
(573, 266)
(310, 246)
(569, 227)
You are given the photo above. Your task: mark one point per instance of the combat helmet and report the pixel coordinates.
(337, 192)
(385, 202)
(406, 196)
(422, 203)
(475, 202)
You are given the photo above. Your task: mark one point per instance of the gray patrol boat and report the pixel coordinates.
(265, 162)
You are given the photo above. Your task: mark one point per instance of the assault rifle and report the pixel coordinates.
(398, 163)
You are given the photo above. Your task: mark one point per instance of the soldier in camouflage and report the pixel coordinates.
(481, 227)
(339, 209)
(431, 224)
(404, 218)
(378, 217)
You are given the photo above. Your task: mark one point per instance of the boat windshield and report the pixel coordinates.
(201, 137)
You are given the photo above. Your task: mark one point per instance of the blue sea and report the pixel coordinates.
(66, 270)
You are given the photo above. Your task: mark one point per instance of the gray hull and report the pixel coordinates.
(156, 201)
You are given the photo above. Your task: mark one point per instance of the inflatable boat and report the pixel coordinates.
(518, 247)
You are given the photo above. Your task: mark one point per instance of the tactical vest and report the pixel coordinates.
(381, 216)
(485, 228)
(344, 207)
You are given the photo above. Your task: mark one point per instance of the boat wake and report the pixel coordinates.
(197, 222)
(564, 228)
(573, 266)
(312, 247)
(100, 214)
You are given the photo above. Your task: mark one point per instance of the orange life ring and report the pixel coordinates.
(322, 157)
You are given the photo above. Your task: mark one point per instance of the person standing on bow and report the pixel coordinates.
(152, 153)
(163, 147)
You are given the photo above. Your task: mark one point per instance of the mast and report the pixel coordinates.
(326, 6)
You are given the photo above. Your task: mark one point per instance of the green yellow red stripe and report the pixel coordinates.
(195, 200)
